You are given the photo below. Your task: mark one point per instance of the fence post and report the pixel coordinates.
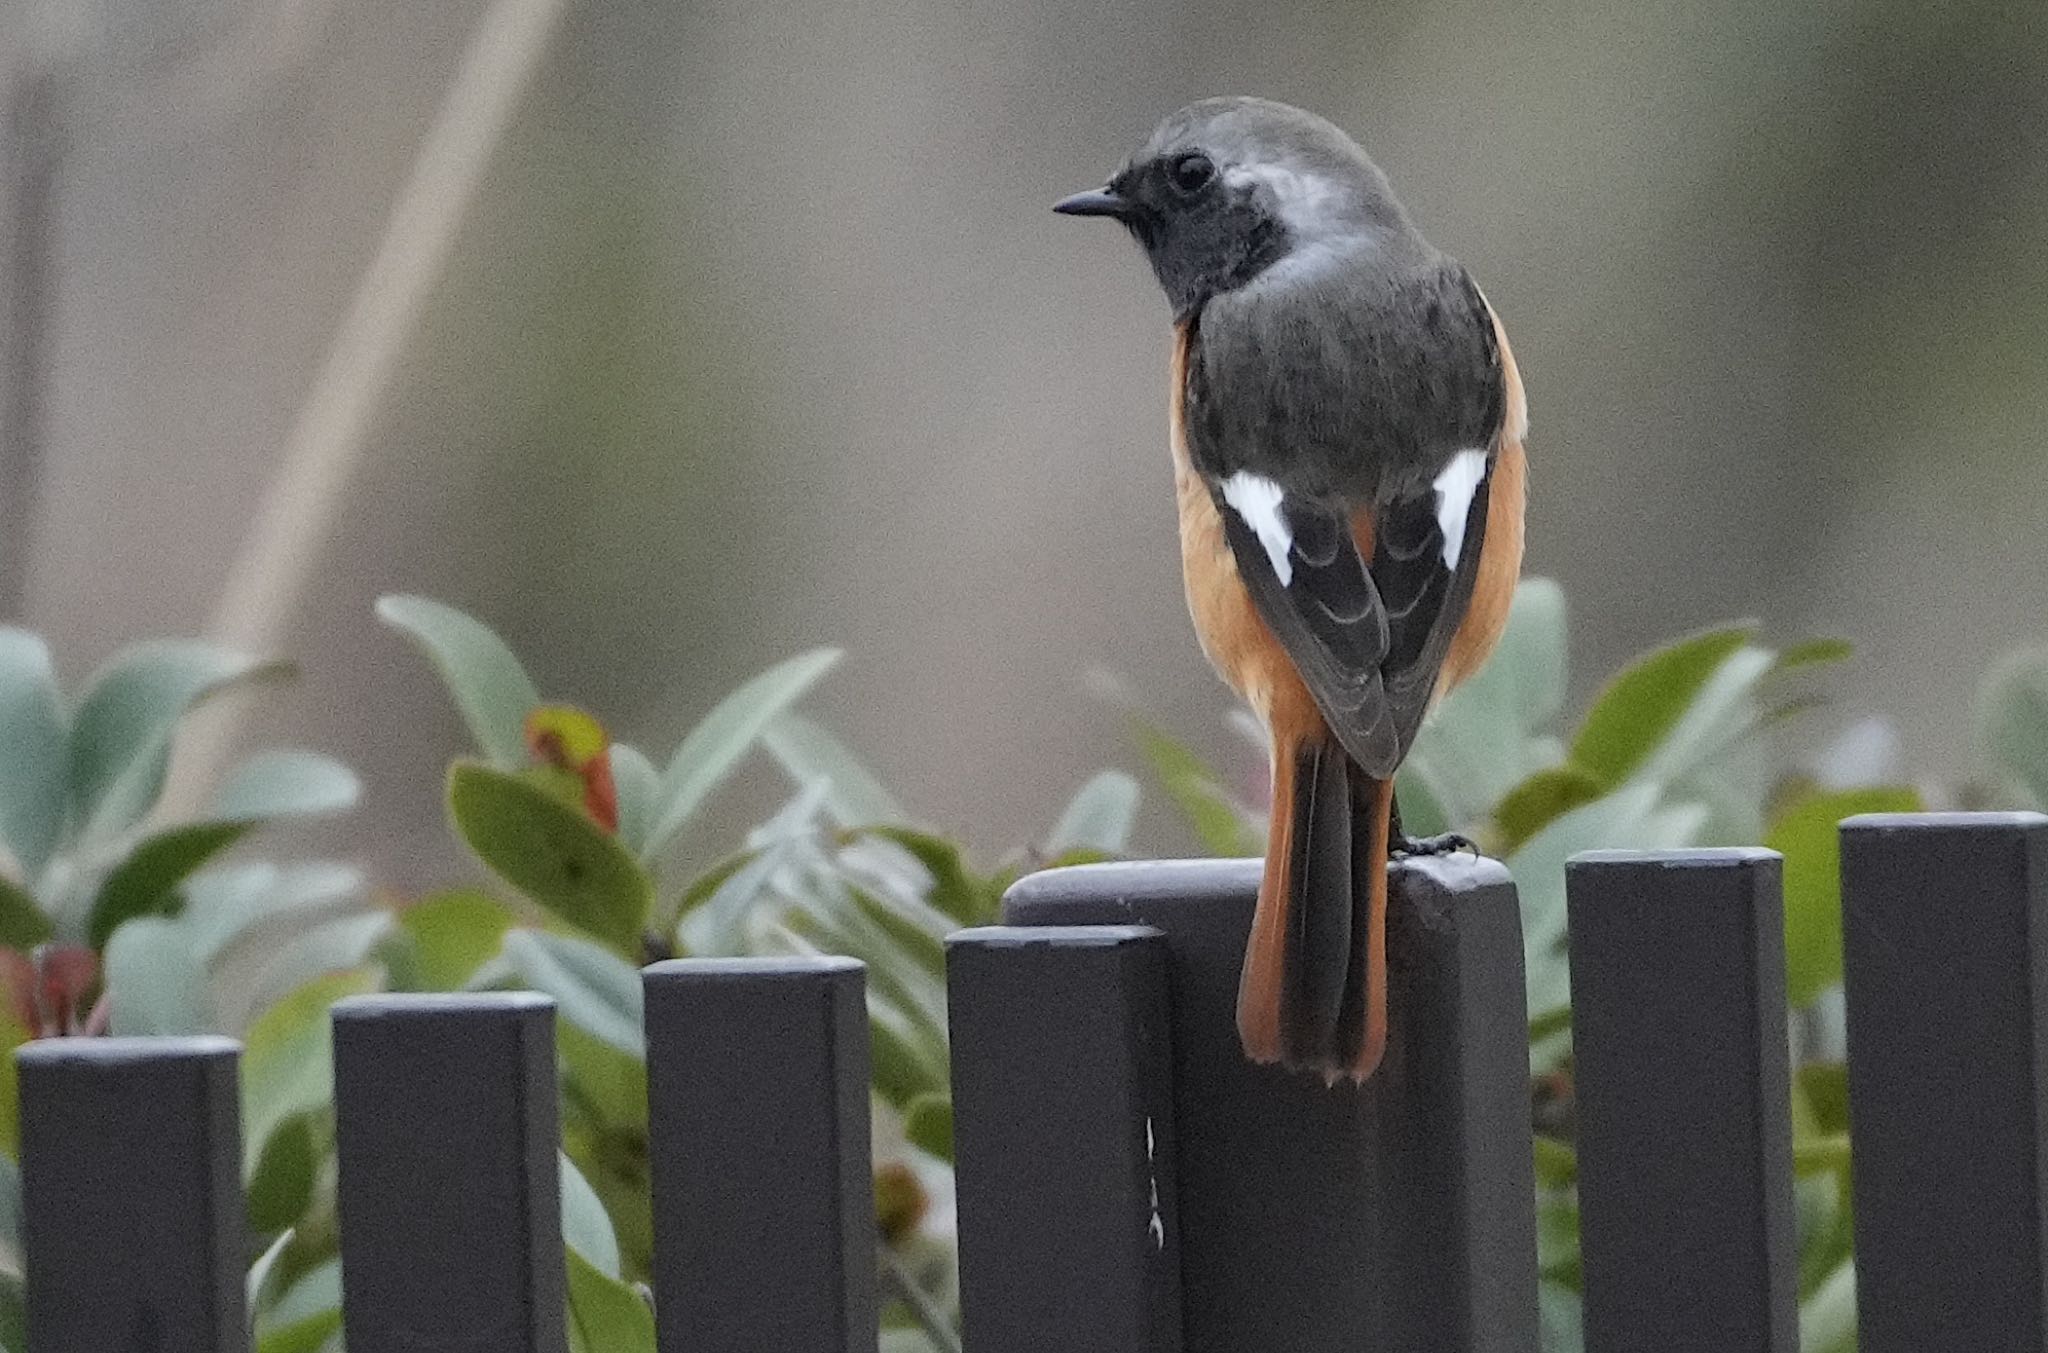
(757, 1087)
(1945, 948)
(131, 1157)
(1064, 1140)
(450, 1193)
(1397, 1216)
(1687, 1232)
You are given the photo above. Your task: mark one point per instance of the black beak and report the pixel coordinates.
(1095, 202)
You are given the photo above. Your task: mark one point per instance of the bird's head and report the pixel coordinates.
(1227, 188)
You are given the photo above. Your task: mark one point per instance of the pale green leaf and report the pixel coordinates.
(854, 796)
(592, 987)
(717, 744)
(288, 1058)
(585, 1225)
(639, 788)
(35, 757)
(287, 783)
(1495, 730)
(1224, 825)
(121, 734)
(490, 688)
(1827, 1319)
(1098, 818)
(156, 983)
(2012, 721)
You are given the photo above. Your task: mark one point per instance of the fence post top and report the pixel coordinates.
(126, 1051)
(1697, 857)
(408, 1004)
(1070, 936)
(753, 967)
(1138, 881)
(1453, 872)
(1935, 822)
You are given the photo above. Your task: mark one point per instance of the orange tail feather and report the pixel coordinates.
(1313, 993)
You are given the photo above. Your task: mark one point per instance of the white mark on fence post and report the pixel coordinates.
(1157, 1226)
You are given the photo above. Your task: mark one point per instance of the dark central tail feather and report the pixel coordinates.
(1313, 995)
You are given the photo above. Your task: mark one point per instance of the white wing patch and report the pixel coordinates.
(1257, 499)
(1455, 487)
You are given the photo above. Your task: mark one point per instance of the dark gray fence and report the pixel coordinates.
(1127, 1183)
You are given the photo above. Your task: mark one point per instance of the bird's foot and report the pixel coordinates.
(1419, 847)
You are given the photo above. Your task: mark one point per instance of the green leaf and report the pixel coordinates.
(716, 745)
(1495, 730)
(592, 987)
(1539, 800)
(585, 1225)
(316, 1292)
(639, 788)
(12, 1036)
(288, 1058)
(1814, 653)
(1560, 1318)
(1098, 817)
(1642, 705)
(2012, 720)
(309, 1335)
(928, 1123)
(1807, 834)
(854, 797)
(156, 983)
(287, 783)
(605, 1315)
(956, 890)
(1557, 1164)
(1827, 1319)
(146, 883)
(35, 758)
(454, 934)
(121, 735)
(1222, 824)
(553, 853)
(23, 925)
(281, 1182)
(490, 688)
(1823, 1087)
(607, 1082)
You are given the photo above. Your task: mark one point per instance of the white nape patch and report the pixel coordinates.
(1518, 416)
(1306, 200)
(1257, 499)
(1454, 490)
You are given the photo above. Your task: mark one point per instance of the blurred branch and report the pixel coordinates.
(30, 152)
(325, 446)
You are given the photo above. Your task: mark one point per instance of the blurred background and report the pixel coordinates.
(674, 338)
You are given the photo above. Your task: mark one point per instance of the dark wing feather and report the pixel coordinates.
(1368, 643)
(1368, 640)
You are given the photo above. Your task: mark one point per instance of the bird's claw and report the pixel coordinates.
(1422, 847)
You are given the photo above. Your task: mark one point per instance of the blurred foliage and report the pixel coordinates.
(1677, 749)
(115, 925)
(579, 834)
(107, 922)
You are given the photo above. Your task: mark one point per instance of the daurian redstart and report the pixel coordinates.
(1346, 424)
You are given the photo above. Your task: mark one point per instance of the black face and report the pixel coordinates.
(1203, 234)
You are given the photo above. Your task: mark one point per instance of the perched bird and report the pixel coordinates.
(1347, 426)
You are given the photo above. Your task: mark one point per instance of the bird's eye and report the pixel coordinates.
(1191, 173)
